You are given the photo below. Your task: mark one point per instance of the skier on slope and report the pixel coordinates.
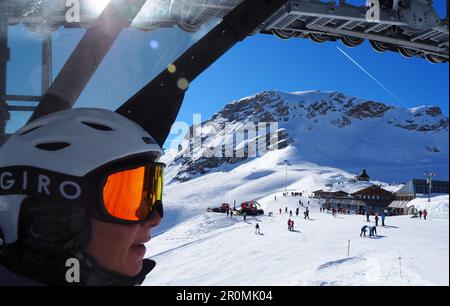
(425, 214)
(363, 231)
(93, 218)
(383, 217)
(257, 229)
(289, 224)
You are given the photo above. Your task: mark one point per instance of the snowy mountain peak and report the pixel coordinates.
(326, 128)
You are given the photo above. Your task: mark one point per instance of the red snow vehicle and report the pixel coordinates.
(251, 208)
(223, 208)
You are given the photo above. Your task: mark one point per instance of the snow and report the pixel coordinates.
(391, 146)
(211, 249)
(193, 247)
(437, 208)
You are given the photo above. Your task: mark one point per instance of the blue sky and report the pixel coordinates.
(261, 62)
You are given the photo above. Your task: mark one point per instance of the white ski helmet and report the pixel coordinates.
(74, 142)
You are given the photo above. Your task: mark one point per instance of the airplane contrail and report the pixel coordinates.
(371, 76)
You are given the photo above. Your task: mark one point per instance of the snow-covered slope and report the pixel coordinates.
(437, 207)
(326, 128)
(211, 249)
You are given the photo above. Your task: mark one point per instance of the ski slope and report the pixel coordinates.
(211, 249)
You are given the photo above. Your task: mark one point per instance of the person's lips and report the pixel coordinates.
(139, 247)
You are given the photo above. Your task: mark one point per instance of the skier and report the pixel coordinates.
(275, 198)
(101, 226)
(420, 214)
(285, 210)
(292, 225)
(289, 224)
(280, 211)
(363, 231)
(372, 231)
(368, 216)
(297, 210)
(383, 217)
(290, 213)
(257, 229)
(425, 214)
(376, 219)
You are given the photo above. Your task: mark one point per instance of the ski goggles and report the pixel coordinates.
(131, 194)
(123, 194)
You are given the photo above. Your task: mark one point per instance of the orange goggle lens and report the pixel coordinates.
(131, 194)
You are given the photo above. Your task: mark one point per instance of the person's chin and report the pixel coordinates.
(135, 261)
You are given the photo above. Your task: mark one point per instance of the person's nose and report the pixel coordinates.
(153, 221)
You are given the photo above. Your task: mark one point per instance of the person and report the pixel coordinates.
(376, 219)
(420, 214)
(270, 214)
(292, 225)
(228, 213)
(363, 231)
(275, 198)
(372, 231)
(68, 200)
(280, 211)
(320, 209)
(383, 217)
(297, 211)
(257, 229)
(285, 210)
(368, 216)
(425, 214)
(290, 213)
(245, 216)
(289, 224)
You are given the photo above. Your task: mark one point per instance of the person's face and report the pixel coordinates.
(120, 248)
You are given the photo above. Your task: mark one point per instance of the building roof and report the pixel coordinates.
(363, 174)
(399, 204)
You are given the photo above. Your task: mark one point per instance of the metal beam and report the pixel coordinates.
(20, 98)
(19, 108)
(46, 76)
(395, 41)
(4, 58)
(87, 56)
